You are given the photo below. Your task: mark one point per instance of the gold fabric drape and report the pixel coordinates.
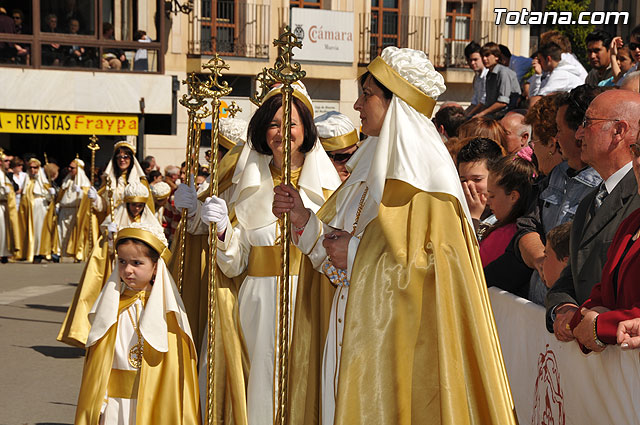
(14, 241)
(78, 246)
(168, 379)
(49, 236)
(75, 327)
(420, 344)
(26, 247)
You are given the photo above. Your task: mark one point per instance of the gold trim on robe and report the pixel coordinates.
(420, 343)
(12, 224)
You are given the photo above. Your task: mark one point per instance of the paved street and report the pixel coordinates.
(40, 376)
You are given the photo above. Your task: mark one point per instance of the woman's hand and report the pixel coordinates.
(337, 244)
(287, 199)
(584, 331)
(477, 201)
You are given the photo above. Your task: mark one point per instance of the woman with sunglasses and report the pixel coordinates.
(339, 139)
(397, 242)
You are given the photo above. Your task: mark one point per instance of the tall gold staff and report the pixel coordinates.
(213, 89)
(93, 147)
(110, 197)
(286, 73)
(195, 105)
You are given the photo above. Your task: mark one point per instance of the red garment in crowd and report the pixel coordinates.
(621, 295)
(495, 243)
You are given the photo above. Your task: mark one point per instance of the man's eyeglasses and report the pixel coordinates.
(635, 149)
(634, 46)
(16, 17)
(123, 156)
(586, 121)
(339, 157)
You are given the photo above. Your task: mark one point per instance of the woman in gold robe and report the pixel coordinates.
(252, 247)
(141, 362)
(406, 333)
(9, 236)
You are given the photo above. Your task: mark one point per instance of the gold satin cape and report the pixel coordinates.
(49, 236)
(231, 358)
(420, 344)
(78, 246)
(26, 246)
(168, 382)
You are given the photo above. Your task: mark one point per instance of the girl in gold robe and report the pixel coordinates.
(75, 327)
(141, 361)
(406, 333)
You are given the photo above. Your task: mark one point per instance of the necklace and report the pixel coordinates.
(135, 353)
(359, 211)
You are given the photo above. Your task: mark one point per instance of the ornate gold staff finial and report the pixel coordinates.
(93, 147)
(265, 81)
(233, 109)
(284, 71)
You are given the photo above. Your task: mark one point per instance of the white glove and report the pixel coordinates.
(185, 197)
(92, 193)
(214, 210)
(112, 228)
(52, 191)
(77, 188)
(58, 209)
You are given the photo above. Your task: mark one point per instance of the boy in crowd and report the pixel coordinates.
(474, 59)
(556, 253)
(502, 87)
(598, 43)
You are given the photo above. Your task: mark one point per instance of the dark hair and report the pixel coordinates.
(578, 100)
(153, 174)
(491, 48)
(478, 149)
(151, 253)
(261, 119)
(141, 211)
(149, 158)
(450, 117)
(15, 162)
(556, 37)
(635, 32)
(558, 238)
(144, 165)
(114, 161)
(470, 49)
(552, 50)
(388, 94)
(599, 35)
(514, 173)
(504, 51)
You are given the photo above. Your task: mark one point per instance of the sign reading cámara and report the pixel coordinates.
(26, 122)
(326, 35)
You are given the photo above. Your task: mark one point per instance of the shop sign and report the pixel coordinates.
(326, 35)
(27, 122)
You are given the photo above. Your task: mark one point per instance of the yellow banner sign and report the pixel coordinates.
(60, 123)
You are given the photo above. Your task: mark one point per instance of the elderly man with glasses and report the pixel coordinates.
(609, 127)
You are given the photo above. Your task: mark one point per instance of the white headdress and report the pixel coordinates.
(336, 131)
(233, 131)
(164, 297)
(136, 192)
(160, 190)
(81, 179)
(299, 91)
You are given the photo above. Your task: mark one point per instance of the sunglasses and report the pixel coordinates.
(339, 157)
(16, 17)
(585, 122)
(123, 156)
(634, 46)
(635, 149)
(34, 168)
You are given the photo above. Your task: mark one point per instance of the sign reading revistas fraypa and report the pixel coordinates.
(326, 35)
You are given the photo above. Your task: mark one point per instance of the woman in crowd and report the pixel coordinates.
(134, 209)
(617, 297)
(510, 189)
(252, 246)
(397, 242)
(140, 366)
(484, 127)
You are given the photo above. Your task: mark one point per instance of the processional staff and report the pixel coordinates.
(197, 110)
(213, 89)
(286, 73)
(93, 147)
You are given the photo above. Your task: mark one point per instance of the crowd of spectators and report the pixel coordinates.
(546, 153)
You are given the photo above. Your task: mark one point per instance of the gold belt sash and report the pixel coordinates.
(123, 384)
(266, 261)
